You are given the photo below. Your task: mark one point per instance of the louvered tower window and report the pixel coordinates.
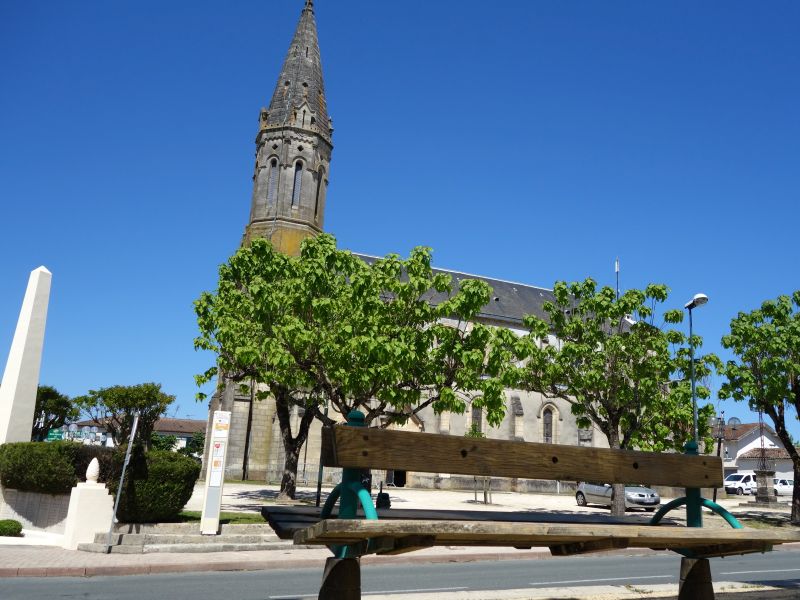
(298, 182)
(272, 182)
(320, 179)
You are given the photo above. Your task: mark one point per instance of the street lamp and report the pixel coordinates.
(698, 300)
(694, 513)
(719, 434)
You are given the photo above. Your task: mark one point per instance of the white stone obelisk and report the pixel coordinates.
(21, 377)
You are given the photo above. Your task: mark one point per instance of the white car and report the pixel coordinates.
(740, 484)
(783, 487)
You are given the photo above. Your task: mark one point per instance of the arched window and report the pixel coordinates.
(272, 182)
(320, 180)
(477, 420)
(547, 417)
(298, 183)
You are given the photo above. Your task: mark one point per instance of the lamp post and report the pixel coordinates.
(698, 300)
(694, 512)
(720, 435)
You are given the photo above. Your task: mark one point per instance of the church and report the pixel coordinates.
(294, 146)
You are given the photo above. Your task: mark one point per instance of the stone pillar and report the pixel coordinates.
(21, 377)
(91, 509)
(765, 490)
(695, 581)
(341, 579)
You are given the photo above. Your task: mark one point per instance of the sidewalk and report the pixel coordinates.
(17, 560)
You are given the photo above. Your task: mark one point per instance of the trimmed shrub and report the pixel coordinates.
(10, 528)
(47, 468)
(157, 484)
(157, 488)
(51, 467)
(84, 455)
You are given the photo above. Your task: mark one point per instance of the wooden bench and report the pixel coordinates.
(357, 529)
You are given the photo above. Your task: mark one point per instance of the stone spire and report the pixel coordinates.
(293, 148)
(301, 80)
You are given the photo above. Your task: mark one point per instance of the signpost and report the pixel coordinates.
(121, 478)
(215, 472)
(55, 435)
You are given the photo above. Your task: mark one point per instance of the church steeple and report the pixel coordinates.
(293, 147)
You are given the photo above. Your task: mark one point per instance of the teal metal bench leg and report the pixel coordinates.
(713, 506)
(349, 493)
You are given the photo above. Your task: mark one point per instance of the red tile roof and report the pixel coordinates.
(771, 453)
(743, 429)
(184, 426)
(168, 426)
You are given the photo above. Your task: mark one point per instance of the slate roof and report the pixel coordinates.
(509, 303)
(301, 76)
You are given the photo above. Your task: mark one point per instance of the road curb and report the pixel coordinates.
(286, 563)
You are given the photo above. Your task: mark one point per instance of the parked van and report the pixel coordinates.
(741, 483)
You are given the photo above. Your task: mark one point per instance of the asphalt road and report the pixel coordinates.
(300, 584)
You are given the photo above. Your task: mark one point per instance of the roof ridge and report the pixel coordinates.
(527, 285)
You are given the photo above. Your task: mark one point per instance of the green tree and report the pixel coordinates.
(113, 408)
(53, 409)
(615, 366)
(160, 441)
(766, 370)
(389, 337)
(195, 444)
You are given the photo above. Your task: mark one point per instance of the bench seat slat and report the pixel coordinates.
(710, 542)
(361, 448)
(286, 520)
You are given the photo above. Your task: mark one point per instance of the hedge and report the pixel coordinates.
(47, 468)
(157, 484)
(158, 487)
(10, 528)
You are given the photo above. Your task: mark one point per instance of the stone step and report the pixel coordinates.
(143, 539)
(226, 546)
(102, 548)
(190, 528)
(223, 547)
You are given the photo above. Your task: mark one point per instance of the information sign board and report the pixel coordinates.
(215, 472)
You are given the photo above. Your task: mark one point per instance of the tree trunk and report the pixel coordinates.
(289, 479)
(617, 489)
(291, 444)
(779, 422)
(796, 493)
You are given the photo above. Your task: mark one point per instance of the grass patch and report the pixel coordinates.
(225, 518)
(765, 522)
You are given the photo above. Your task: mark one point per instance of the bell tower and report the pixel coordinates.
(293, 148)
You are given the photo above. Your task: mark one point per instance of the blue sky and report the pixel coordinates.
(529, 141)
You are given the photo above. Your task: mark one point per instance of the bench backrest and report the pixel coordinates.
(363, 447)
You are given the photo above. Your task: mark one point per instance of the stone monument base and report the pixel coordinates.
(91, 508)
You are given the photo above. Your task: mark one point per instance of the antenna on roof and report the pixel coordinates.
(616, 270)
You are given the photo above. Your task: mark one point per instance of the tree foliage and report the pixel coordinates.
(53, 409)
(195, 444)
(163, 442)
(766, 370)
(113, 408)
(618, 370)
(389, 337)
